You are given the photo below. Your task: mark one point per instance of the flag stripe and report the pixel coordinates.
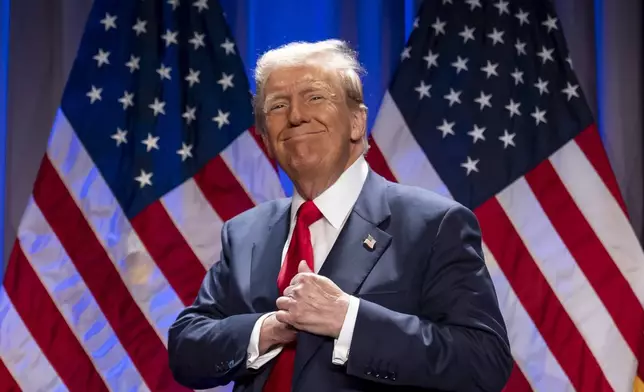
(574, 293)
(255, 173)
(592, 258)
(196, 220)
(377, 161)
(134, 332)
(54, 337)
(591, 144)
(517, 382)
(222, 189)
(6, 379)
(21, 354)
(74, 302)
(260, 143)
(555, 325)
(172, 254)
(602, 212)
(138, 271)
(527, 344)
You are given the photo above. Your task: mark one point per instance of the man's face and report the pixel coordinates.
(310, 129)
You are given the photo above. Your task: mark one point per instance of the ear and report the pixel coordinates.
(358, 124)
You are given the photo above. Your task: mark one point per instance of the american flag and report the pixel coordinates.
(485, 108)
(152, 149)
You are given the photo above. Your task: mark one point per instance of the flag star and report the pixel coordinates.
(226, 81)
(439, 27)
(423, 90)
(157, 107)
(221, 119)
(542, 86)
(470, 165)
(197, 40)
(431, 59)
(201, 5)
(545, 54)
(513, 107)
(496, 36)
(164, 72)
(460, 64)
(174, 4)
(139, 27)
(551, 23)
(406, 53)
(190, 114)
(473, 4)
(539, 116)
(446, 128)
(453, 97)
(484, 100)
(133, 64)
(477, 134)
(569, 61)
(170, 37)
(467, 34)
(518, 76)
(571, 91)
(490, 69)
(228, 46)
(185, 151)
(109, 21)
(151, 142)
(95, 94)
(523, 17)
(416, 22)
(120, 136)
(502, 6)
(193, 77)
(520, 46)
(144, 179)
(102, 57)
(507, 139)
(127, 100)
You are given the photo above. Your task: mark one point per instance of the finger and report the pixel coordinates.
(303, 267)
(283, 317)
(284, 303)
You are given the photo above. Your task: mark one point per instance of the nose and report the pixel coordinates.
(297, 113)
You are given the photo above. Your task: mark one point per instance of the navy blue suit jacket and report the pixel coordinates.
(428, 316)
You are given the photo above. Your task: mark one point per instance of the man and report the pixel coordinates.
(354, 284)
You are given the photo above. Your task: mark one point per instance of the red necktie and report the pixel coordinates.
(299, 249)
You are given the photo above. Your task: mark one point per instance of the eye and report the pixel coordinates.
(316, 98)
(276, 106)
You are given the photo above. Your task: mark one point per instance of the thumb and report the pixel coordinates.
(303, 267)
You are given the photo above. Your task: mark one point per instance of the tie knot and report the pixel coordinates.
(308, 213)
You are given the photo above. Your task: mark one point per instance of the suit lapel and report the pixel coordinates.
(266, 261)
(350, 260)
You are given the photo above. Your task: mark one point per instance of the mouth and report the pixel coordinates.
(301, 135)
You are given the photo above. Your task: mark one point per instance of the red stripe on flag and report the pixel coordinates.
(222, 189)
(167, 246)
(48, 327)
(538, 299)
(6, 380)
(262, 146)
(589, 253)
(134, 332)
(377, 161)
(590, 143)
(517, 381)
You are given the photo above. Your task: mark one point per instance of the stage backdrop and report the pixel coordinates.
(604, 36)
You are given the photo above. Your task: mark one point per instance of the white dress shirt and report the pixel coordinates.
(335, 204)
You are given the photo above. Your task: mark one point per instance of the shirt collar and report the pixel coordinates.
(336, 202)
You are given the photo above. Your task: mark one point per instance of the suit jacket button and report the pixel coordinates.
(377, 375)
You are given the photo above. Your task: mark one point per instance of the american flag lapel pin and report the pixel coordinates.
(369, 242)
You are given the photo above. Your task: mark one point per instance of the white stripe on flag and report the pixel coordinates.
(148, 286)
(404, 156)
(529, 350)
(569, 283)
(21, 354)
(75, 302)
(602, 212)
(196, 220)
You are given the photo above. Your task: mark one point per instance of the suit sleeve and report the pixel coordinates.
(458, 342)
(208, 342)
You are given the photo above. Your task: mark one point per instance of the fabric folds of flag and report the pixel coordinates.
(152, 149)
(485, 108)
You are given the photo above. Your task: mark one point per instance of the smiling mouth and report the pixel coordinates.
(301, 135)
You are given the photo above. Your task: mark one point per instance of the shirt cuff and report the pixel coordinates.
(343, 342)
(254, 360)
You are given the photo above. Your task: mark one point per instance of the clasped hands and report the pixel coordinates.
(311, 303)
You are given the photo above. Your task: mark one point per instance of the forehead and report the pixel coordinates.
(300, 77)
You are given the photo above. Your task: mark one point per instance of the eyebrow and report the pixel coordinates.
(316, 85)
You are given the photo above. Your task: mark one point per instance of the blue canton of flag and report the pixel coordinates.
(157, 90)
